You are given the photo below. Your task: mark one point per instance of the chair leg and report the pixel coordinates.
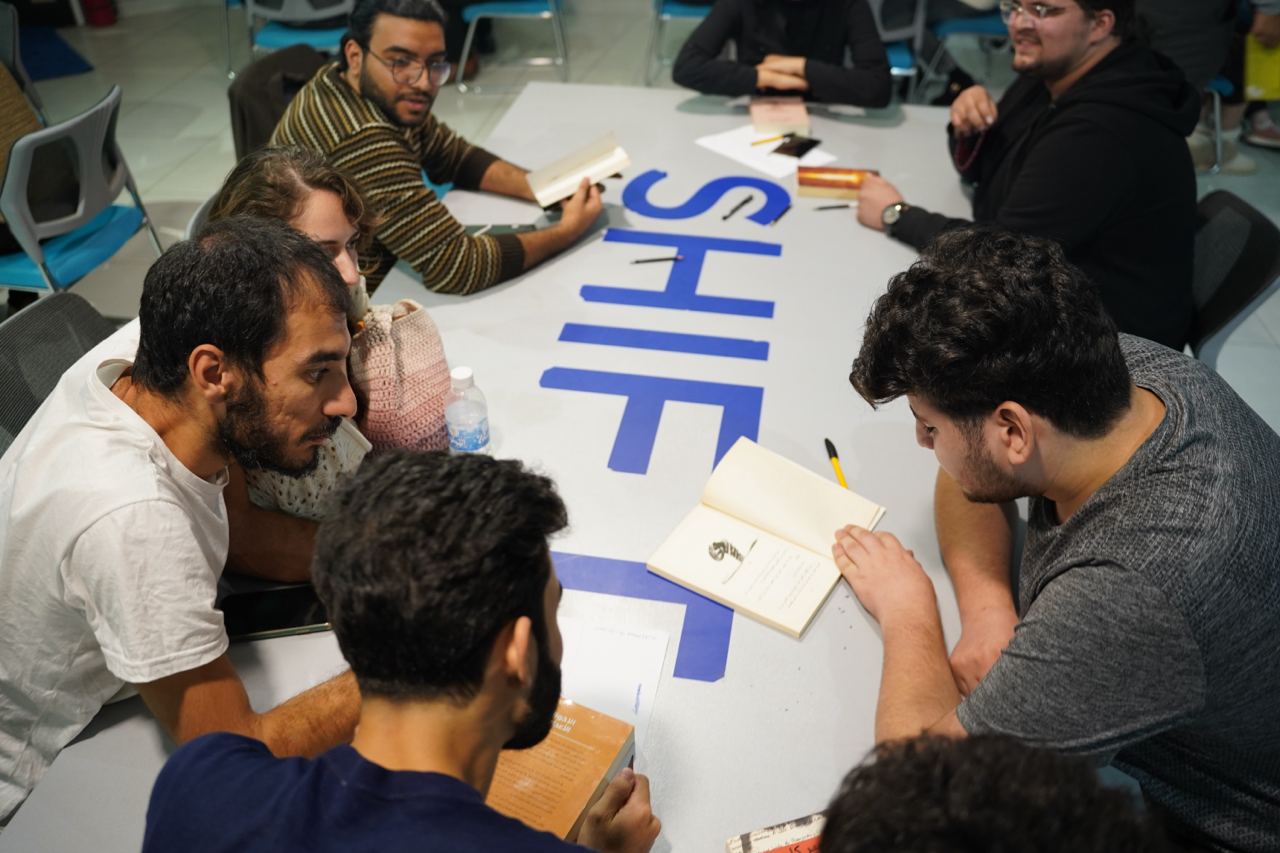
(557, 27)
(1217, 132)
(655, 42)
(466, 52)
(226, 32)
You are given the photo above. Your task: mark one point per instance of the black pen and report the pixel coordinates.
(659, 260)
(834, 207)
(738, 206)
(780, 215)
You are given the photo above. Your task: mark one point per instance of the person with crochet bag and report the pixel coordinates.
(397, 364)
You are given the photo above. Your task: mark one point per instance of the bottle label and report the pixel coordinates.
(470, 439)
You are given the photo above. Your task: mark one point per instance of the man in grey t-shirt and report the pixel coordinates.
(1146, 626)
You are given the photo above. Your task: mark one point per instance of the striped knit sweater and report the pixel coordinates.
(387, 161)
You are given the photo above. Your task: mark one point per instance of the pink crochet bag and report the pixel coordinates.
(398, 370)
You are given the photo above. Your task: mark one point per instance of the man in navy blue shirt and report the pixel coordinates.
(439, 584)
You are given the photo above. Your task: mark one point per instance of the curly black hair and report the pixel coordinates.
(982, 794)
(426, 559)
(360, 25)
(233, 287)
(986, 316)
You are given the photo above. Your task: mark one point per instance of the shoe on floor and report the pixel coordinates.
(1262, 131)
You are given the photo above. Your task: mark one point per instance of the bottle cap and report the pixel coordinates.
(461, 378)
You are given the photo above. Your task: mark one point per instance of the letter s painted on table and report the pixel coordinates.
(635, 197)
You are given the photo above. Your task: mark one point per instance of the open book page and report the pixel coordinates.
(740, 566)
(788, 500)
(595, 162)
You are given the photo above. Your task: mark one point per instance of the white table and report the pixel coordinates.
(773, 737)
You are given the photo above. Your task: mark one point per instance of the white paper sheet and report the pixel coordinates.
(736, 145)
(613, 670)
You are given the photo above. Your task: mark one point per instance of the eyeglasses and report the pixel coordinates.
(1036, 11)
(406, 72)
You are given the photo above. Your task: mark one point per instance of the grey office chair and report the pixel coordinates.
(1237, 268)
(37, 345)
(903, 44)
(11, 56)
(62, 248)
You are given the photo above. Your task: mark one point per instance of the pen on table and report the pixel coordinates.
(659, 260)
(833, 207)
(771, 139)
(780, 215)
(835, 462)
(738, 206)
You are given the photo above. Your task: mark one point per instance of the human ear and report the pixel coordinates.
(517, 639)
(1017, 434)
(207, 366)
(354, 55)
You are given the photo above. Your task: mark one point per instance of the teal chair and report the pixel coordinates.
(60, 249)
(547, 10)
(279, 15)
(665, 11)
(989, 30)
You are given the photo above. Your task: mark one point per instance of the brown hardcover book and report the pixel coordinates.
(830, 182)
(551, 786)
(794, 836)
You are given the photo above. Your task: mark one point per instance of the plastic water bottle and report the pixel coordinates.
(466, 414)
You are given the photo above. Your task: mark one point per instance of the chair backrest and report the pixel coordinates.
(100, 168)
(199, 218)
(912, 31)
(37, 345)
(297, 11)
(11, 53)
(1237, 260)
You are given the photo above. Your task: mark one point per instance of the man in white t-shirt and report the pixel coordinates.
(113, 530)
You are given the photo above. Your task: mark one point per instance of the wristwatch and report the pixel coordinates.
(890, 215)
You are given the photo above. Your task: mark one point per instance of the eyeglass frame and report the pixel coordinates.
(429, 68)
(1034, 12)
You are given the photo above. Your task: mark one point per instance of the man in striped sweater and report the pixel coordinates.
(369, 113)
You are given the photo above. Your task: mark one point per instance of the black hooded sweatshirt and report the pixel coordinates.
(1106, 172)
(819, 30)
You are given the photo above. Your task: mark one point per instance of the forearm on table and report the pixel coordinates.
(976, 541)
(313, 721)
(917, 689)
(544, 244)
(507, 179)
(263, 543)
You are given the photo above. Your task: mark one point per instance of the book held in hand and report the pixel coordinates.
(553, 785)
(793, 836)
(760, 539)
(595, 162)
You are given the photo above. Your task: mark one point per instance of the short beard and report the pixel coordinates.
(544, 698)
(984, 482)
(244, 434)
(370, 91)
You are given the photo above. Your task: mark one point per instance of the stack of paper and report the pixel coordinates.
(736, 145)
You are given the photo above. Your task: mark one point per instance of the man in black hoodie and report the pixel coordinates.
(1087, 147)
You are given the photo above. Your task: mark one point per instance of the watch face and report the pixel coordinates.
(891, 214)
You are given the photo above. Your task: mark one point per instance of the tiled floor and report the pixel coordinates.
(169, 57)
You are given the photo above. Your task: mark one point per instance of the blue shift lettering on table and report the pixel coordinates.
(635, 197)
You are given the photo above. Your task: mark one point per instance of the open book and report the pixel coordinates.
(760, 540)
(595, 162)
(551, 786)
